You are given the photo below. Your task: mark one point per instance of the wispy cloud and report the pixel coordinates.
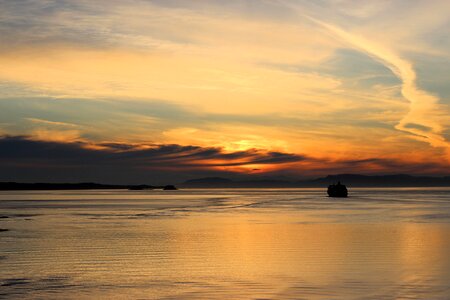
(333, 80)
(51, 123)
(424, 120)
(24, 158)
(424, 110)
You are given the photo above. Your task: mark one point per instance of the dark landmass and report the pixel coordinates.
(218, 182)
(15, 186)
(351, 180)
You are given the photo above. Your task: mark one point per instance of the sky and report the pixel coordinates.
(156, 91)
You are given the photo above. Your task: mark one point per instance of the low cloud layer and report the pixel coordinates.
(25, 159)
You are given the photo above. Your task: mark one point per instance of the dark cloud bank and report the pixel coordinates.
(26, 160)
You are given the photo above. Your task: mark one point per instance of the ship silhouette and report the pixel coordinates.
(337, 190)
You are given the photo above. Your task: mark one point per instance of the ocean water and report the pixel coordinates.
(225, 244)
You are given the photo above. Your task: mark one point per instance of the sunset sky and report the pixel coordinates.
(154, 91)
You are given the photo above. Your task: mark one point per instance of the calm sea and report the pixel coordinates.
(225, 244)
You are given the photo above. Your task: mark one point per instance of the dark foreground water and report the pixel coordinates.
(232, 244)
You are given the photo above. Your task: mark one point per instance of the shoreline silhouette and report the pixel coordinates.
(16, 186)
(352, 180)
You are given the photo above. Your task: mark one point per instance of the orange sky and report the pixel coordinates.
(338, 82)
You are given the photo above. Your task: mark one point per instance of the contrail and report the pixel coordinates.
(422, 119)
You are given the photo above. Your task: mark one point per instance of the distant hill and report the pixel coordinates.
(399, 180)
(15, 186)
(216, 181)
(351, 180)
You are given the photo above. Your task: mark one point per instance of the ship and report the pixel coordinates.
(337, 190)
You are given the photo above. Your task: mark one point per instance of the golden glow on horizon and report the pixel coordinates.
(331, 84)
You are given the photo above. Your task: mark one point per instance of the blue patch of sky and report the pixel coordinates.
(99, 118)
(354, 68)
(433, 75)
(361, 69)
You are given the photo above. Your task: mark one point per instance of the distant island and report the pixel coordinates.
(15, 186)
(352, 180)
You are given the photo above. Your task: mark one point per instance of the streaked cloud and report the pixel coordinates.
(51, 123)
(23, 158)
(334, 81)
(422, 119)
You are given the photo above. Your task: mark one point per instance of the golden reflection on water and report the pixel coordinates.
(315, 252)
(231, 254)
